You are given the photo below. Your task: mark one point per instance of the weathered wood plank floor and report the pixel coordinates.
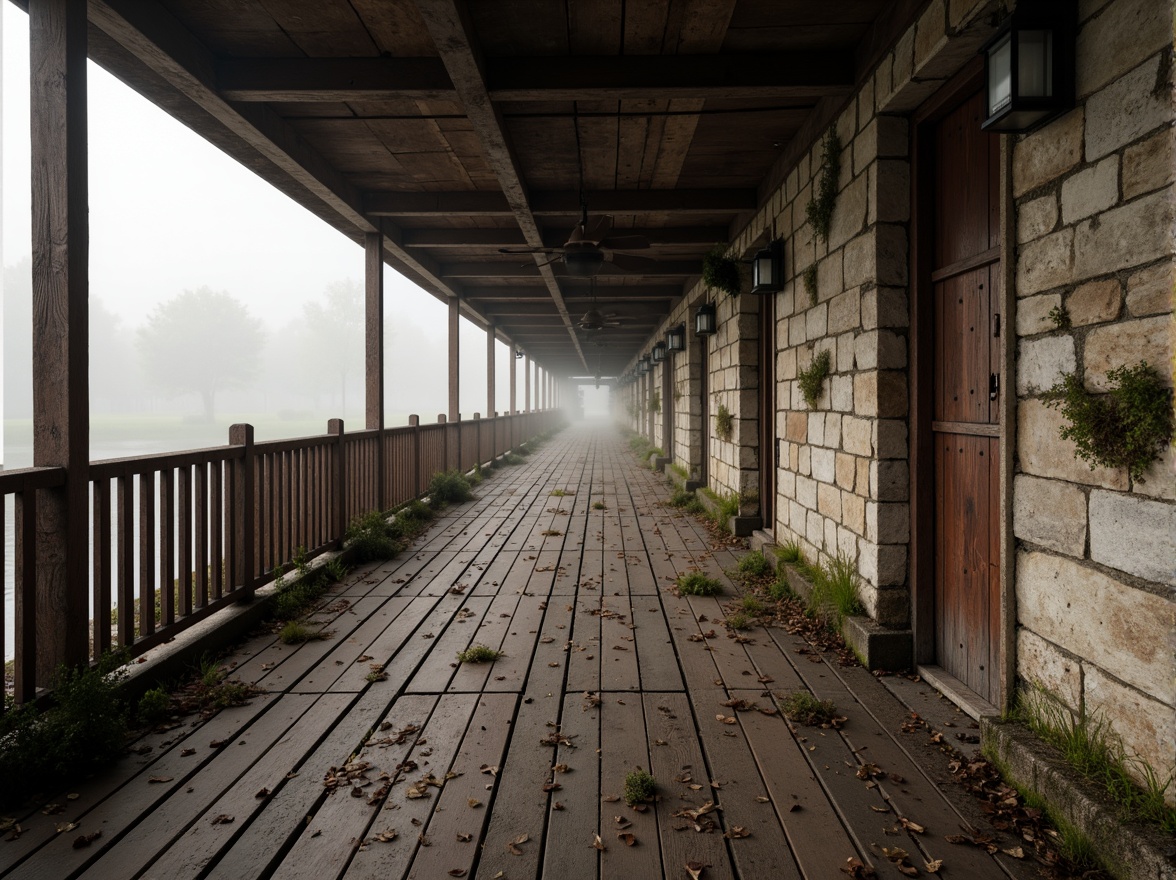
(445, 770)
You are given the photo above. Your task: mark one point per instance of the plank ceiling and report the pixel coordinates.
(458, 128)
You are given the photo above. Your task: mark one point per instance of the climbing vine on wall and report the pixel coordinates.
(724, 423)
(820, 208)
(721, 272)
(812, 378)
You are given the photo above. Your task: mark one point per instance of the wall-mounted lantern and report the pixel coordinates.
(659, 352)
(1029, 67)
(643, 365)
(518, 354)
(768, 268)
(676, 338)
(704, 320)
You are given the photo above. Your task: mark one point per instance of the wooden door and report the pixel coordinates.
(704, 406)
(965, 283)
(768, 461)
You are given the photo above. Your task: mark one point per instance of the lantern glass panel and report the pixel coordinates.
(1035, 64)
(1000, 75)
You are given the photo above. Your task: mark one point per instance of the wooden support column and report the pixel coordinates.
(374, 349)
(514, 398)
(454, 358)
(491, 409)
(61, 415)
(527, 384)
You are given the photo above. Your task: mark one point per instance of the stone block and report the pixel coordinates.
(841, 393)
(903, 58)
(829, 501)
(1091, 190)
(816, 429)
(889, 437)
(833, 430)
(1044, 664)
(1124, 237)
(797, 430)
(865, 147)
(1122, 37)
(1042, 452)
(1149, 165)
(1094, 302)
(855, 436)
(816, 321)
(796, 331)
(892, 608)
(1157, 479)
(1133, 534)
(888, 523)
(893, 137)
(892, 255)
(845, 352)
(1033, 314)
(885, 307)
(930, 38)
(845, 469)
(1126, 109)
(829, 277)
(863, 474)
(786, 364)
(1045, 263)
(858, 258)
(962, 12)
(849, 213)
(1146, 724)
(1050, 513)
(824, 463)
(1048, 153)
(1037, 217)
(1150, 291)
(1128, 342)
(853, 512)
(845, 311)
(1041, 363)
(890, 480)
(892, 191)
(865, 103)
(1111, 625)
(806, 492)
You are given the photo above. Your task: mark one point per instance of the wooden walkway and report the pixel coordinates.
(516, 769)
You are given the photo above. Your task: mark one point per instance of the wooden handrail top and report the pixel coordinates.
(108, 468)
(25, 479)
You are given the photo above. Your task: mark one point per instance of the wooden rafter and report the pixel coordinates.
(565, 203)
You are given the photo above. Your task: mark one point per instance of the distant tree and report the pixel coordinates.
(331, 340)
(202, 341)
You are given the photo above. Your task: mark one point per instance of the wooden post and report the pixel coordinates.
(514, 403)
(414, 422)
(454, 358)
(374, 346)
(490, 370)
(60, 241)
(244, 503)
(527, 384)
(335, 427)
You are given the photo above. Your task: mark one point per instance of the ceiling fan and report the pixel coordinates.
(590, 246)
(594, 319)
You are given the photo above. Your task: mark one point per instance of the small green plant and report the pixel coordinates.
(810, 283)
(415, 514)
(213, 690)
(698, 584)
(84, 730)
(511, 458)
(685, 501)
(819, 210)
(812, 379)
(754, 564)
(751, 604)
(803, 708)
(599, 505)
(780, 589)
(789, 552)
(477, 475)
(1128, 427)
(724, 423)
(1090, 745)
(836, 587)
(153, 706)
(721, 272)
(449, 487)
(559, 493)
(680, 470)
(1060, 316)
(296, 633)
(655, 402)
(728, 507)
(478, 654)
(335, 570)
(738, 620)
(372, 536)
(639, 787)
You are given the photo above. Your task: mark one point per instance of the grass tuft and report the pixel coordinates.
(478, 654)
(754, 565)
(639, 787)
(698, 584)
(803, 708)
(449, 487)
(295, 633)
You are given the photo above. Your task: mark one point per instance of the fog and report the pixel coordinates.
(213, 297)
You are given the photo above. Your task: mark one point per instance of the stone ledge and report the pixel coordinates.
(657, 463)
(678, 481)
(739, 526)
(1129, 851)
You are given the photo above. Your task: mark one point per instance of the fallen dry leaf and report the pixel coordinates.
(160, 779)
(695, 869)
(464, 837)
(474, 802)
(627, 837)
(597, 842)
(223, 819)
(457, 872)
(933, 866)
(85, 840)
(736, 832)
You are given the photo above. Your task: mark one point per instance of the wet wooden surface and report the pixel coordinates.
(516, 769)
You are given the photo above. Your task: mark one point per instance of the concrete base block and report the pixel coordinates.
(657, 462)
(742, 526)
(880, 647)
(681, 482)
(1128, 850)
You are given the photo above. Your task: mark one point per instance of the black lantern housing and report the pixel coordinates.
(518, 354)
(768, 268)
(659, 352)
(1029, 67)
(676, 338)
(705, 323)
(643, 365)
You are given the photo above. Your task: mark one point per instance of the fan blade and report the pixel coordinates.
(625, 242)
(531, 250)
(629, 262)
(598, 227)
(554, 259)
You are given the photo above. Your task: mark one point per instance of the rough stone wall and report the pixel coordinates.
(1096, 560)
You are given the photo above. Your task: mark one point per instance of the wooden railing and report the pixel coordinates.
(174, 537)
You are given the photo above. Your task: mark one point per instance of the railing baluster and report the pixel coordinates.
(101, 567)
(146, 554)
(220, 526)
(126, 560)
(200, 520)
(25, 685)
(184, 538)
(167, 548)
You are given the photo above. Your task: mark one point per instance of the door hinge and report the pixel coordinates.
(993, 386)
(777, 454)
(996, 325)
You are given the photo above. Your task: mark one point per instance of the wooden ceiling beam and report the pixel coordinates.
(793, 75)
(648, 308)
(486, 269)
(557, 204)
(449, 25)
(575, 295)
(700, 236)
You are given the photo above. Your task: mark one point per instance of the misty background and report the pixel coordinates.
(214, 298)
